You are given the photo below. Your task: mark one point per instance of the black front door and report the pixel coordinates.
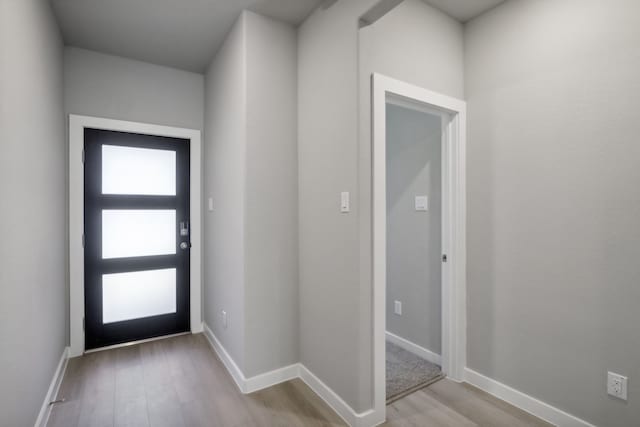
(136, 224)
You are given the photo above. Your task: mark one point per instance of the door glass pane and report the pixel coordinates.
(138, 294)
(141, 171)
(131, 233)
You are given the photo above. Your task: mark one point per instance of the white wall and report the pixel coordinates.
(33, 290)
(251, 174)
(414, 266)
(554, 201)
(113, 87)
(334, 335)
(335, 64)
(271, 202)
(418, 44)
(224, 182)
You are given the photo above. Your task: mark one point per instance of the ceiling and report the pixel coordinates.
(186, 34)
(464, 10)
(183, 34)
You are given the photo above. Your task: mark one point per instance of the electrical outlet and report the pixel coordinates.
(397, 308)
(617, 385)
(224, 319)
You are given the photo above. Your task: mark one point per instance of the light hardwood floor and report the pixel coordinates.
(180, 382)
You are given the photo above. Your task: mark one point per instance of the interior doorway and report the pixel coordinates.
(414, 249)
(418, 238)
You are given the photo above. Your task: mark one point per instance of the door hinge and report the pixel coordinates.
(83, 324)
(83, 156)
(83, 240)
(444, 258)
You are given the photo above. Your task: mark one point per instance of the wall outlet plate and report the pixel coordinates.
(224, 319)
(617, 385)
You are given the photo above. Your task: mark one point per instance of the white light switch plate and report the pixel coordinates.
(422, 203)
(397, 308)
(210, 204)
(344, 202)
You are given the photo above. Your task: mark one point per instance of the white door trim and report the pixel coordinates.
(386, 89)
(77, 124)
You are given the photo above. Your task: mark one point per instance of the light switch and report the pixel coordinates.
(397, 307)
(344, 202)
(210, 204)
(422, 203)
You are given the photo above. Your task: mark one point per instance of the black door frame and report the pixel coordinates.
(98, 334)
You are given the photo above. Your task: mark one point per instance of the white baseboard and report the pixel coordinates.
(414, 348)
(249, 385)
(255, 383)
(271, 378)
(523, 401)
(227, 360)
(56, 381)
(342, 408)
(370, 418)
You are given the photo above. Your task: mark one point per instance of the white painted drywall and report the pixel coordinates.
(224, 181)
(554, 201)
(335, 62)
(113, 87)
(333, 330)
(418, 44)
(33, 278)
(414, 273)
(251, 174)
(271, 198)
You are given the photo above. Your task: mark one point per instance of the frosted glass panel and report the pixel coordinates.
(127, 296)
(141, 171)
(130, 233)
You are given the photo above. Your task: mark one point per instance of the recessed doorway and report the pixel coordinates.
(134, 232)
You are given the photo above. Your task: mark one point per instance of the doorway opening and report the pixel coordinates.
(419, 246)
(414, 249)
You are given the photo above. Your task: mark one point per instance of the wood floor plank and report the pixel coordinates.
(131, 412)
(492, 400)
(98, 409)
(71, 387)
(481, 407)
(420, 409)
(65, 414)
(180, 382)
(199, 413)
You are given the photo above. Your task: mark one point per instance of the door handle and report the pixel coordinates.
(185, 245)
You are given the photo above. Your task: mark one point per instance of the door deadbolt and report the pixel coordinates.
(184, 228)
(185, 245)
